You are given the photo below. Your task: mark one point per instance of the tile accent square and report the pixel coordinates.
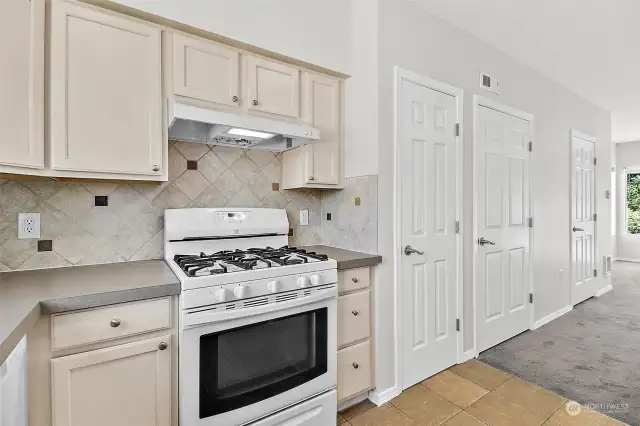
(102, 200)
(192, 165)
(275, 186)
(45, 245)
(328, 216)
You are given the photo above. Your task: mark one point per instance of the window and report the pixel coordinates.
(633, 202)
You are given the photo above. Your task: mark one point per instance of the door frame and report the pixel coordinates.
(400, 75)
(576, 134)
(479, 101)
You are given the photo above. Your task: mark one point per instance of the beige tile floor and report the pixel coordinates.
(473, 394)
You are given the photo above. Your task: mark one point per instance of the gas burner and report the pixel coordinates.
(227, 261)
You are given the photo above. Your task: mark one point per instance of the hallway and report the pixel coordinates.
(590, 355)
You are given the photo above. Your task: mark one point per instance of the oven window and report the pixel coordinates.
(244, 365)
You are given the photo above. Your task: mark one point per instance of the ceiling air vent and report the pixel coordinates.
(489, 83)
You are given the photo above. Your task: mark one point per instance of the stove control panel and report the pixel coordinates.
(249, 289)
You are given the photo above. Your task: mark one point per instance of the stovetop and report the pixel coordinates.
(230, 261)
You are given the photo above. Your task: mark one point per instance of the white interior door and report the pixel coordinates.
(428, 192)
(584, 283)
(502, 248)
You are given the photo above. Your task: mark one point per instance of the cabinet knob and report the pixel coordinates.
(312, 178)
(162, 346)
(355, 280)
(115, 322)
(356, 365)
(355, 313)
(255, 102)
(234, 99)
(155, 168)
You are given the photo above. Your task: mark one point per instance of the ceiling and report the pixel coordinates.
(590, 46)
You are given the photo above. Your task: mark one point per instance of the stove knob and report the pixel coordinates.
(272, 286)
(221, 295)
(315, 280)
(302, 282)
(239, 292)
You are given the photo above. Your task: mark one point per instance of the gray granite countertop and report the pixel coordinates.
(26, 295)
(347, 259)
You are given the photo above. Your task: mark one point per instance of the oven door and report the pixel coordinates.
(260, 360)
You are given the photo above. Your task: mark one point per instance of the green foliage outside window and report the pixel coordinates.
(633, 203)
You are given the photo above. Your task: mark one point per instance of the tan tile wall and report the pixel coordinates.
(131, 226)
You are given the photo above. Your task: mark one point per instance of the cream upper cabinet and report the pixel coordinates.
(205, 70)
(273, 87)
(106, 106)
(22, 83)
(128, 384)
(318, 164)
(321, 109)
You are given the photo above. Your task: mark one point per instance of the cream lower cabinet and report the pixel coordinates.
(113, 365)
(106, 105)
(22, 29)
(317, 165)
(125, 385)
(355, 365)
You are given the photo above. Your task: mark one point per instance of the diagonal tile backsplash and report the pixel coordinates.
(130, 226)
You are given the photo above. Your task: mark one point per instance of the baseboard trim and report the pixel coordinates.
(551, 317)
(468, 355)
(383, 397)
(602, 291)
(627, 259)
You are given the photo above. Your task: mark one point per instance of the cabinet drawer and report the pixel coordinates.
(353, 279)
(354, 370)
(113, 322)
(353, 318)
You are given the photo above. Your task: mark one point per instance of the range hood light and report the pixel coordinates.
(250, 133)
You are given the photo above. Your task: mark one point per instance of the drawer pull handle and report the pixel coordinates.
(162, 346)
(355, 313)
(356, 365)
(355, 279)
(115, 322)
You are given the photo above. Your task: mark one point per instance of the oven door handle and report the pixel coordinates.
(194, 319)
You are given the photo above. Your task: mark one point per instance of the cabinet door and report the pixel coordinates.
(205, 70)
(106, 95)
(322, 111)
(273, 87)
(127, 385)
(22, 83)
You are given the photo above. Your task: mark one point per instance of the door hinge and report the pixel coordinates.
(595, 161)
(457, 129)
(457, 226)
(530, 222)
(530, 297)
(458, 324)
(595, 217)
(595, 272)
(530, 146)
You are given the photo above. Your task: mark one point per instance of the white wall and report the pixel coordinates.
(627, 156)
(416, 40)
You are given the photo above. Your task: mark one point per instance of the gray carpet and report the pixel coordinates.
(590, 355)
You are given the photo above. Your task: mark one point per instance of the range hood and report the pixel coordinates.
(193, 124)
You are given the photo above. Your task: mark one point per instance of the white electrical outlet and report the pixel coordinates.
(28, 226)
(304, 217)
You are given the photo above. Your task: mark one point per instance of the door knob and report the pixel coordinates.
(255, 102)
(408, 250)
(482, 241)
(234, 99)
(577, 229)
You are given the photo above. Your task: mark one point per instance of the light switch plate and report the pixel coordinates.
(304, 217)
(28, 226)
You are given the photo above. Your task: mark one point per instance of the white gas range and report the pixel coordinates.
(258, 329)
